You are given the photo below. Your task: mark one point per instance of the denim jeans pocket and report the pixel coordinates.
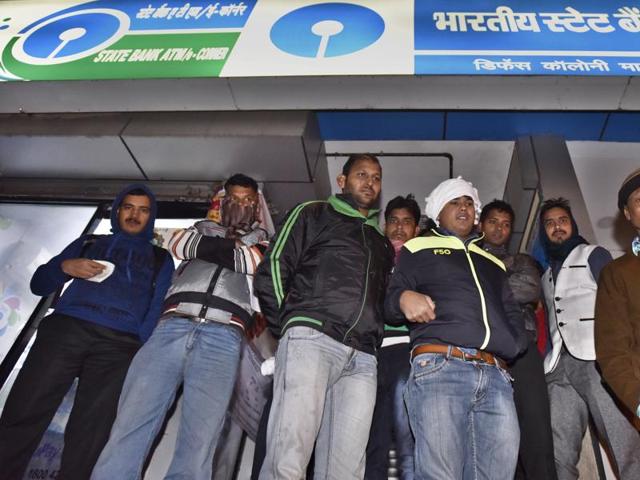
(427, 364)
(506, 375)
(304, 333)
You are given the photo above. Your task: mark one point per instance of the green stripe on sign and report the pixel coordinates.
(138, 56)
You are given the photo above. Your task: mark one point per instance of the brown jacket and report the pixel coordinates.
(617, 328)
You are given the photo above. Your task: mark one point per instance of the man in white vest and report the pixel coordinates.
(575, 386)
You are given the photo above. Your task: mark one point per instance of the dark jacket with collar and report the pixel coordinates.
(475, 307)
(327, 268)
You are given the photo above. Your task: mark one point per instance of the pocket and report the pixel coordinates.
(303, 333)
(427, 365)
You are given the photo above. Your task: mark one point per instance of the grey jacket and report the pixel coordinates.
(524, 280)
(207, 290)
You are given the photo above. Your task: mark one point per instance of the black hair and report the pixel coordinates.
(499, 205)
(408, 203)
(351, 161)
(241, 180)
(555, 203)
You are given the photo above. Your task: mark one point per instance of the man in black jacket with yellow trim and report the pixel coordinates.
(463, 323)
(321, 288)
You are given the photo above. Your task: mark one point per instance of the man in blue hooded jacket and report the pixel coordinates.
(97, 326)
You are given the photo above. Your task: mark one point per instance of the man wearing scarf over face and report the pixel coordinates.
(197, 341)
(575, 386)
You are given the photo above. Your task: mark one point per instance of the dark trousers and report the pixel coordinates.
(65, 348)
(390, 423)
(535, 459)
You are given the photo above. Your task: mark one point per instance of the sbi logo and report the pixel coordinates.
(327, 30)
(70, 36)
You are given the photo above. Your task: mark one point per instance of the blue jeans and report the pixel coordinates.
(464, 420)
(203, 356)
(324, 393)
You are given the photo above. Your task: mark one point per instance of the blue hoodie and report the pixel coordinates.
(125, 301)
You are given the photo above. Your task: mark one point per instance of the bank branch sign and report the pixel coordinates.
(128, 39)
(545, 37)
(124, 39)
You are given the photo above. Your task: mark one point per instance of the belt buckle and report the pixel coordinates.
(201, 320)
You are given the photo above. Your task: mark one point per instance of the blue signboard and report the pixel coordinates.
(546, 37)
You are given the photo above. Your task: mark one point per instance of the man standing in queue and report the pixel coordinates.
(197, 342)
(575, 385)
(97, 327)
(321, 288)
(463, 323)
(390, 425)
(617, 328)
(535, 460)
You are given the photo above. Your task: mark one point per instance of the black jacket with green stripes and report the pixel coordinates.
(475, 307)
(327, 269)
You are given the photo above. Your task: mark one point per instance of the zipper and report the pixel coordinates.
(366, 284)
(483, 303)
(209, 292)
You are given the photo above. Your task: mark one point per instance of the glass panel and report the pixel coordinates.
(29, 236)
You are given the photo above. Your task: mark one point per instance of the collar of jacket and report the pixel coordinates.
(344, 204)
(473, 238)
(500, 252)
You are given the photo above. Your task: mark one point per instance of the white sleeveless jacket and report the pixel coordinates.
(570, 302)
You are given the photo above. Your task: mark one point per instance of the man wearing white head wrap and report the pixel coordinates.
(447, 191)
(463, 321)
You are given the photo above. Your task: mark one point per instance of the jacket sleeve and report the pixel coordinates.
(189, 244)
(616, 349)
(49, 277)
(597, 261)
(163, 281)
(402, 279)
(274, 275)
(524, 280)
(514, 316)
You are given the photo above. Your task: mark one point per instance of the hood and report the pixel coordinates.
(556, 252)
(147, 233)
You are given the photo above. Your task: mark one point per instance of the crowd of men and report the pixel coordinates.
(467, 360)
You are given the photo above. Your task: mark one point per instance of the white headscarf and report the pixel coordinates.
(447, 191)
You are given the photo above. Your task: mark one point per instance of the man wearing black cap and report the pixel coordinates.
(617, 328)
(575, 386)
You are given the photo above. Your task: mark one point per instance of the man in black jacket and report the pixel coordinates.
(463, 324)
(321, 289)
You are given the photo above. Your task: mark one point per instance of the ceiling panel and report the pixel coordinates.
(510, 125)
(215, 158)
(270, 146)
(622, 127)
(66, 157)
(388, 125)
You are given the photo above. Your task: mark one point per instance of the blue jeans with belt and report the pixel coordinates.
(202, 356)
(463, 418)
